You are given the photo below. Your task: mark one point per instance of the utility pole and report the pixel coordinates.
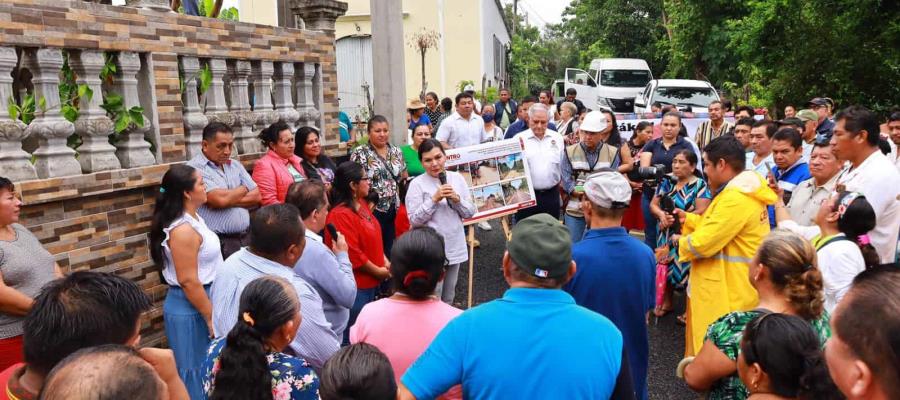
(388, 62)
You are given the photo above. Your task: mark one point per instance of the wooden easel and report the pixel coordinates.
(504, 222)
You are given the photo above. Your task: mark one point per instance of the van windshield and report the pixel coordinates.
(682, 95)
(624, 77)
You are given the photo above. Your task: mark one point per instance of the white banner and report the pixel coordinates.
(498, 177)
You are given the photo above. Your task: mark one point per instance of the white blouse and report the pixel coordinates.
(209, 259)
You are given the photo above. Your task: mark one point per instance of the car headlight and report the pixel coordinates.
(604, 102)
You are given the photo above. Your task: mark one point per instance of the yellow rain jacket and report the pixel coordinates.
(720, 245)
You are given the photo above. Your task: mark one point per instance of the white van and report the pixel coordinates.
(610, 83)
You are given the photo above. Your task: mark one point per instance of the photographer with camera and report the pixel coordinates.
(656, 160)
(681, 189)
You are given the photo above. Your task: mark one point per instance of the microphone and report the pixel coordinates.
(442, 176)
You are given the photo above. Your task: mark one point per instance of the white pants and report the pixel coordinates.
(446, 289)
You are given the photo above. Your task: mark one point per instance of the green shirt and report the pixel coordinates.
(413, 165)
(294, 173)
(726, 334)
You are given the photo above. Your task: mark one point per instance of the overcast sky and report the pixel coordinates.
(542, 12)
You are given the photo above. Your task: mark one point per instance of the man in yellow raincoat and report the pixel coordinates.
(721, 243)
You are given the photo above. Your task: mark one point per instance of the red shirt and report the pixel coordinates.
(401, 222)
(363, 234)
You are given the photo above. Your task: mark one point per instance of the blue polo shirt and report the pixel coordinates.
(616, 278)
(529, 344)
(788, 181)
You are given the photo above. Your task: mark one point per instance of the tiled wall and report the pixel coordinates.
(100, 221)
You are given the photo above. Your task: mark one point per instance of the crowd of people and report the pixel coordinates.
(313, 279)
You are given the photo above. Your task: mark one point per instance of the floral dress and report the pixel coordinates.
(726, 334)
(684, 199)
(384, 173)
(292, 377)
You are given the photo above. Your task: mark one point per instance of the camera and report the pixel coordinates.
(668, 206)
(650, 175)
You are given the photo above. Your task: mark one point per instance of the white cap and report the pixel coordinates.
(608, 189)
(469, 88)
(594, 121)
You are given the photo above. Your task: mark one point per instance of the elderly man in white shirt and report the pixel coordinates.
(809, 194)
(543, 150)
(871, 173)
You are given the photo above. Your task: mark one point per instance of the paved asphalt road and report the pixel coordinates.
(666, 338)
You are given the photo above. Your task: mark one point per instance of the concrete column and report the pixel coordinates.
(388, 63)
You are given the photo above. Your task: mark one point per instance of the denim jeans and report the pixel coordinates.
(190, 7)
(576, 227)
(363, 297)
(446, 288)
(649, 219)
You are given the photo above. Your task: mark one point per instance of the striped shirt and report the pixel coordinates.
(228, 176)
(315, 341)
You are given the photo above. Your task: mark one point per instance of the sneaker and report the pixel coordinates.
(484, 225)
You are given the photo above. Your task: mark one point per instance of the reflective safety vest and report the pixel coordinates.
(582, 168)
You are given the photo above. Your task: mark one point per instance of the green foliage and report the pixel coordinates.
(462, 85)
(205, 78)
(767, 53)
(24, 111)
(71, 93)
(114, 105)
(230, 14)
(537, 58)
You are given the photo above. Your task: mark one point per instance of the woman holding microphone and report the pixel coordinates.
(440, 199)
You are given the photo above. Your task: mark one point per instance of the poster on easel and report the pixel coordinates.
(498, 177)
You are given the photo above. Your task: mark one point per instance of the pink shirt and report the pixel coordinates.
(402, 330)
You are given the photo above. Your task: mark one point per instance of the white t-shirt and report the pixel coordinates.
(460, 132)
(839, 261)
(543, 157)
(760, 168)
(877, 178)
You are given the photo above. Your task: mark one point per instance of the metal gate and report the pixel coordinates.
(354, 75)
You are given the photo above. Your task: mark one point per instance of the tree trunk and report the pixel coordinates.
(424, 85)
(665, 20)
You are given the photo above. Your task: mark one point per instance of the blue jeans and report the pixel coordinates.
(363, 297)
(576, 226)
(190, 7)
(649, 219)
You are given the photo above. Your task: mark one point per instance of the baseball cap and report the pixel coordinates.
(469, 88)
(541, 246)
(608, 189)
(806, 115)
(415, 104)
(817, 101)
(594, 121)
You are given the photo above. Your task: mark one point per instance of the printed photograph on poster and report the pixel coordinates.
(516, 191)
(512, 166)
(488, 198)
(498, 177)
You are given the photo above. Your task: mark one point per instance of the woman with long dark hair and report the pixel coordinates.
(351, 216)
(384, 165)
(189, 254)
(249, 363)
(403, 325)
(841, 238)
(315, 163)
(634, 216)
(682, 190)
(612, 137)
(784, 273)
(279, 167)
(781, 358)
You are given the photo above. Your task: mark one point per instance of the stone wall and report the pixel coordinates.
(98, 218)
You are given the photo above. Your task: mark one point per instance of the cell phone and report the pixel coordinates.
(332, 231)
